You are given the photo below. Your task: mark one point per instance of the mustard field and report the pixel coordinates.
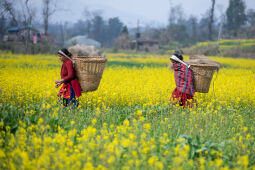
(128, 123)
(244, 44)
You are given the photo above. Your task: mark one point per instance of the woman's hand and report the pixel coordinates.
(59, 81)
(57, 85)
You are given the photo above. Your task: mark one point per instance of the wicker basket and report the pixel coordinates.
(192, 57)
(203, 74)
(89, 71)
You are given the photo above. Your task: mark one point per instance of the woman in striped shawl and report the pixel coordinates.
(184, 92)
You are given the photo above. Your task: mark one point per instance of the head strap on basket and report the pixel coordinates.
(62, 53)
(178, 60)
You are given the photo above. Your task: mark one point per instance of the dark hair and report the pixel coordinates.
(178, 53)
(64, 50)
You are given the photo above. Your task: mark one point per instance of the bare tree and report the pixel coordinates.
(87, 13)
(211, 20)
(164, 37)
(89, 16)
(176, 15)
(62, 35)
(28, 13)
(7, 8)
(123, 42)
(49, 8)
(194, 23)
(22, 13)
(2, 25)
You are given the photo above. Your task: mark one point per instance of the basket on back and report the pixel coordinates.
(203, 70)
(89, 66)
(203, 74)
(89, 71)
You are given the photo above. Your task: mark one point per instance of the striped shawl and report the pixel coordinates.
(184, 79)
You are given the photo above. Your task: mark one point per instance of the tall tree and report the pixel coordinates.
(203, 28)
(123, 41)
(124, 30)
(98, 26)
(211, 20)
(251, 17)
(49, 8)
(27, 14)
(114, 28)
(235, 15)
(62, 35)
(164, 37)
(193, 23)
(79, 28)
(178, 33)
(176, 29)
(89, 16)
(176, 14)
(2, 25)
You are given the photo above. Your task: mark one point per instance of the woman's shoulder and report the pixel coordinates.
(68, 61)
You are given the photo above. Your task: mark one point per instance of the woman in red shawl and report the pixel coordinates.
(70, 90)
(184, 81)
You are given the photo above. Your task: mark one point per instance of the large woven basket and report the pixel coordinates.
(89, 71)
(203, 74)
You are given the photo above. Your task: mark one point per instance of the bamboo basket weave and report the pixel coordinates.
(203, 74)
(89, 71)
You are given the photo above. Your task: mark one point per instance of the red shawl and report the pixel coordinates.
(184, 79)
(69, 76)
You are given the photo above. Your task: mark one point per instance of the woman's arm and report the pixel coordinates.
(70, 72)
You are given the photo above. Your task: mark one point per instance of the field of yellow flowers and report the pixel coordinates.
(245, 44)
(128, 122)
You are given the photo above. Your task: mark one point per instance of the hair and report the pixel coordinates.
(178, 53)
(64, 50)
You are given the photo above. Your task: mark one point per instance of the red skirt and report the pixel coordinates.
(180, 97)
(65, 90)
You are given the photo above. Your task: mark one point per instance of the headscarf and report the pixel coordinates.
(65, 53)
(178, 53)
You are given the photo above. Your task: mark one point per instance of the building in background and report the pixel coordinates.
(145, 44)
(22, 33)
(18, 34)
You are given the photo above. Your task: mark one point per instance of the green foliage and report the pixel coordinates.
(236, 16)
(198, 148)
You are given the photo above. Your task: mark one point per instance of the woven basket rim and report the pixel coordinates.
(205, 65)
(91, 58)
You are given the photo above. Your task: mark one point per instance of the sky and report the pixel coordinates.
(149, 12)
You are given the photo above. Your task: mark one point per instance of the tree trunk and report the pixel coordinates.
(46, 15)
(46, 26)
(211, 21)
